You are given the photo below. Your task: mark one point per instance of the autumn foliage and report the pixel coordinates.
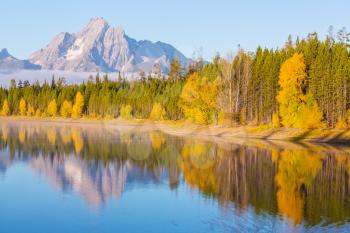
(66, 109)
(78, 105)
(22, 107)
(158, 112)
(5, 110)
(198, 99)
(295, 108)
(52, 108)
(125, 112)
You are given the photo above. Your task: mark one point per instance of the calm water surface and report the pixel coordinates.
(69, 178)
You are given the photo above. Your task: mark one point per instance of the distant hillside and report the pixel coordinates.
(8, 62)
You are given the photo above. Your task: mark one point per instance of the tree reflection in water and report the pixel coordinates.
(302, 183)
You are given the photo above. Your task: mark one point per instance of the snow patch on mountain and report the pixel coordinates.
(76, 50)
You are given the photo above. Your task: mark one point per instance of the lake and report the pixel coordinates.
(98, 178)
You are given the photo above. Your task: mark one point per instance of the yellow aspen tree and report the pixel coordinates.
(52, 108)
(158, 113)
(22, 107)
(38, 113)
(296, 109)
(198, 99)
(125, 112)
(347, 117)
(66, 109)
(30, 110)
(275, 121)
(78, 105)
(5, 110)
(341, 123)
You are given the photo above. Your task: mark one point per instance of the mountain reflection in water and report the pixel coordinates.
(306, 185)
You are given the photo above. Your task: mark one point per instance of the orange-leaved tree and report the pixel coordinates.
(295, 108)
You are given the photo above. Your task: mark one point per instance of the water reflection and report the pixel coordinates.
(306, 185)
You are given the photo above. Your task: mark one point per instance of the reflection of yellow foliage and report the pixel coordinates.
(77, 140)
(274, 155)
(22, 135)
(140, 147)
(348, 168)
(5, 132)
(51, 136)
(202, 155)
(125, 138)
(65, 136)
(203, 179)
(157, 140)
(341, 158)
(291, 204)
(296, 170)
(197, 164)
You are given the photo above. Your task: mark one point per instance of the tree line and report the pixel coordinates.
(305, 84)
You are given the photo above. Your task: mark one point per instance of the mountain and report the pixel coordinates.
(99, 47)
(8, 62)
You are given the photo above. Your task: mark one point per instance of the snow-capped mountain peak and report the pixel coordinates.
(100, 47)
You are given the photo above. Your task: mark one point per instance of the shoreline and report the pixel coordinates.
(182, 128)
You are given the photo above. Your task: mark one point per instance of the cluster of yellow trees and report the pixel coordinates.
(68, 109)
(296, 109)
(200, 96)
(158, 113)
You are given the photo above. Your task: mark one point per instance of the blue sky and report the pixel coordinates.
(206, 26)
